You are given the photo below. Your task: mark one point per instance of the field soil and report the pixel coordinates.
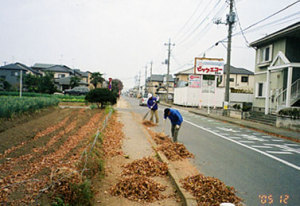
(32, 146)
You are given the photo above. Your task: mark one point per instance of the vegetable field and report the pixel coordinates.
(61, 98)
(10, 105)
(38, 156)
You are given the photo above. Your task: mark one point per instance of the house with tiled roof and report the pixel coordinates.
(11, 73)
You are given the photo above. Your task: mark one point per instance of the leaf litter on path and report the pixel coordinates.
(146, 166)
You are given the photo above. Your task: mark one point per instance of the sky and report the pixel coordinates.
(120, 38)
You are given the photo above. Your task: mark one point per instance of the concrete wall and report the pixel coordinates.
(194, 97)
(286, 122)
(241, 97)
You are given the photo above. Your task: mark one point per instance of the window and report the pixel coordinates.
(3, 77)
(61, 75)
(260, 89)
(231, 79)
(14, 73)
(265, 54)
(244, 79)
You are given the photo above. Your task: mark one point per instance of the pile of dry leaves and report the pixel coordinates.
(138, 188)
(175, 151)
(113, 134)
(147, 166)
(161, 138)
(149, 123)
(210, 190)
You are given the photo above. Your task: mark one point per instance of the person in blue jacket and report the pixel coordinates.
(176, 121)
(152, 104)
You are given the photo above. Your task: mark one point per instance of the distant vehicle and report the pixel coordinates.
(143, 100)
(77, 91)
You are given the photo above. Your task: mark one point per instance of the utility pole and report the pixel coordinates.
(139, 83)
(151, 84)
(168, 71)
(145, 79)
(230, 21)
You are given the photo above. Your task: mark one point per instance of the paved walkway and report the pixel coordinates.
(280, 132)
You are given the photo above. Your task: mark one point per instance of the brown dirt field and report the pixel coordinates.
(33, 148)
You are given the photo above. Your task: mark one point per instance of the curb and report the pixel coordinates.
(188, 199)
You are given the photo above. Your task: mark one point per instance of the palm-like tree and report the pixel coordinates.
(97, 78)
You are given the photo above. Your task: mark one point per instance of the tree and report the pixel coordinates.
(46, 84)
(31, 82)
(101, 96)
(97, 78)
(117, 86)
(6, 84)
(74, 81)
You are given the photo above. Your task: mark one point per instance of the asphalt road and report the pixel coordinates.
(265, 170)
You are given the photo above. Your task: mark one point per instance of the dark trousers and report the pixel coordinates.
(174, 132)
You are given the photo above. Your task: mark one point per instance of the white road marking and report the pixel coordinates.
(247, 146)
(261, 146)
(285, 148)
(292, 145)
(234, 137)
(278, 152)
(277, 140)
(227, 129)
(248, 142)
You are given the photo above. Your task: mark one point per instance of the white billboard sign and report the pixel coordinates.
(211, 66)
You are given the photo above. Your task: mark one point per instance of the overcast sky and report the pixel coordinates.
(120, 37)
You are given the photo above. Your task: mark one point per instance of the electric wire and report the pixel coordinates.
(189, 19)
(199, 25)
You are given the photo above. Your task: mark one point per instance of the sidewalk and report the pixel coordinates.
(279, 132)
(136, 145)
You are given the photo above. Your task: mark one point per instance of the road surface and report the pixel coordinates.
(265, 170)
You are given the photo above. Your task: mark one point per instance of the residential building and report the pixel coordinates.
(64, 83)
(11, 73)
(277, 70)
(157, 84)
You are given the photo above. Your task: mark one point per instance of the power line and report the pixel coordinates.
(198, 26)
(189, 19)
(239, 23)
(196, 20)
(281, 10)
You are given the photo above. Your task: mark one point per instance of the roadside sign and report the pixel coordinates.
(210, 66)
(194, 81)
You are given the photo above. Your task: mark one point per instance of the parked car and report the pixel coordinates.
(143, 100)
(77, 91)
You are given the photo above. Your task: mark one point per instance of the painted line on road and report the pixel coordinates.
(261, 146)
(254, 149)
(248, 142)
(278, 152)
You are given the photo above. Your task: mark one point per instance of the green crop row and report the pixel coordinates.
(10, 106)
(72, 100)
(32, 94)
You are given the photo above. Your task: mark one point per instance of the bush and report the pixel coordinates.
(294, 113)
(237, 106)
(101, 96)
(246, 106)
